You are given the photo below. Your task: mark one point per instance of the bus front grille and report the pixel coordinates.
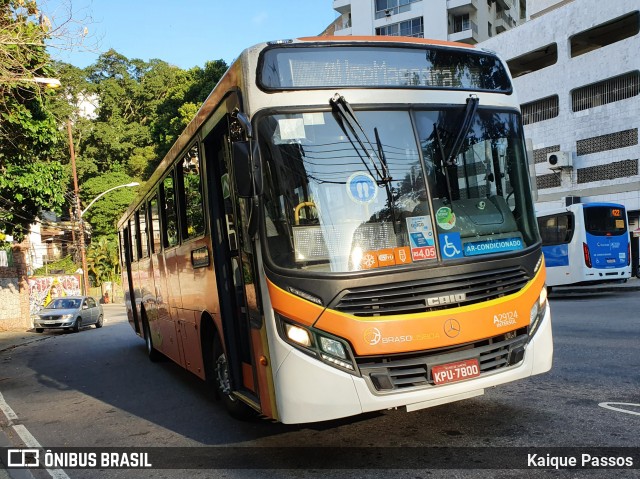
(399, 373)
(423, 295)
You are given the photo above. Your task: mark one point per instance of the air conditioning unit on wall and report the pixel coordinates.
(559, 159)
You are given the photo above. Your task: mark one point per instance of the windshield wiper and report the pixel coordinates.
(450, 160)
(347, 117)
(443, 163)
(463, 131)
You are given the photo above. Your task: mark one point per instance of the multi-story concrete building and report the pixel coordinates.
(576, 71)
(467, 21)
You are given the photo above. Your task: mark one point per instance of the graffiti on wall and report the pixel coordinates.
(43, 289)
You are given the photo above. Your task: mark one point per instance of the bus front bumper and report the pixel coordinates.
(310, 391)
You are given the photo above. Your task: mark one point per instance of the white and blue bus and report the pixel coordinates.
(585, 243)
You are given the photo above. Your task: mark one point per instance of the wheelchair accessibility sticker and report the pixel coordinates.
(450, 245)
(362, 188)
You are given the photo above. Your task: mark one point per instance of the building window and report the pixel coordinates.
(533, 61)
(548, 181)
(608, 171)
(540, 110)
(612, 141)
(605, 34)
(607, 91)
(461, 23)
(386, 8)
(410, 28)
(540, 155)
(489, 29)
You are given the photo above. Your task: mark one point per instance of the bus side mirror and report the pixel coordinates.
(247, 170)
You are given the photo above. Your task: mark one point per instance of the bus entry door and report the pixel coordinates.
(230, 265)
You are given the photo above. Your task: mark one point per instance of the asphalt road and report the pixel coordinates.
(97, 389)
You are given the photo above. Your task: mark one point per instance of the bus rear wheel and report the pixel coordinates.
(220, 368)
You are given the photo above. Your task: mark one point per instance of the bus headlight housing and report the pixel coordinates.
(538, 310)
(329, 349)
(298, 334)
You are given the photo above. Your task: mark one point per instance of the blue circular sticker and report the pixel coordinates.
(362, 188)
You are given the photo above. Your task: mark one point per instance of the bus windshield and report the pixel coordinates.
(338, 200)
(604, 221)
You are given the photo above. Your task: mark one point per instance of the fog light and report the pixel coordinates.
(298, 335)
(332, 347)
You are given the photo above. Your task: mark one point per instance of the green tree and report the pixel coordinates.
(102, 260)
(30, 180)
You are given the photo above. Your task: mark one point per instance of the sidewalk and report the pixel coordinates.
(19, 337)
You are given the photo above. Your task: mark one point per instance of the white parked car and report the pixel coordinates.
(70, 312)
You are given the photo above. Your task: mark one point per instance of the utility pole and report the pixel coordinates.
(83, 254)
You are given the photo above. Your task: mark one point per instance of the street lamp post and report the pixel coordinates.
(128, 185)
(47, 82)
(80, 212)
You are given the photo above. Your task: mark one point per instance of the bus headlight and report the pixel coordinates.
(330, 350)
(538, 310)
(297, 334)
(332, 347)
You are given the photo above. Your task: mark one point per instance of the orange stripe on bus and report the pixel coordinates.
(416, 332)
(293, 307)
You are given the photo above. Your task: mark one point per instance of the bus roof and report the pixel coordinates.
(384, 39)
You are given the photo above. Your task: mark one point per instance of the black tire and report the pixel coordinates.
(153, 354)
(77, 325)
(39, 330)
(100, 322)
(220, 369)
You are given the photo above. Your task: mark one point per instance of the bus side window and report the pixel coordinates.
(142, 223)
(191, 194)
(134, 239)
(170, 223)
(154, 226)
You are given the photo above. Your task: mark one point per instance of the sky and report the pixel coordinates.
(185, 33)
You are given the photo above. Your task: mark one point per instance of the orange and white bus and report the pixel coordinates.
(345, 226)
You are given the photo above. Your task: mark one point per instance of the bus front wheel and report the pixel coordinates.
(234, 406)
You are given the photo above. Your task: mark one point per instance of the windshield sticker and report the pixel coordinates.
(421, 238)
(450, 245)
(291, 128)
(492, 246)
(402, 255)
(313, 118)
(445, 218)
(362, 188)
(369, 260)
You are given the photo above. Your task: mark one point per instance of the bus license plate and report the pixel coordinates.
(458, 371)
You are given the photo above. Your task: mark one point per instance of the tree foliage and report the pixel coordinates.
(124, 116)
(29, 178)
(102, 262)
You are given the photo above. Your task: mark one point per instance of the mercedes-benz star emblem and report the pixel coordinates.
(451, 328)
